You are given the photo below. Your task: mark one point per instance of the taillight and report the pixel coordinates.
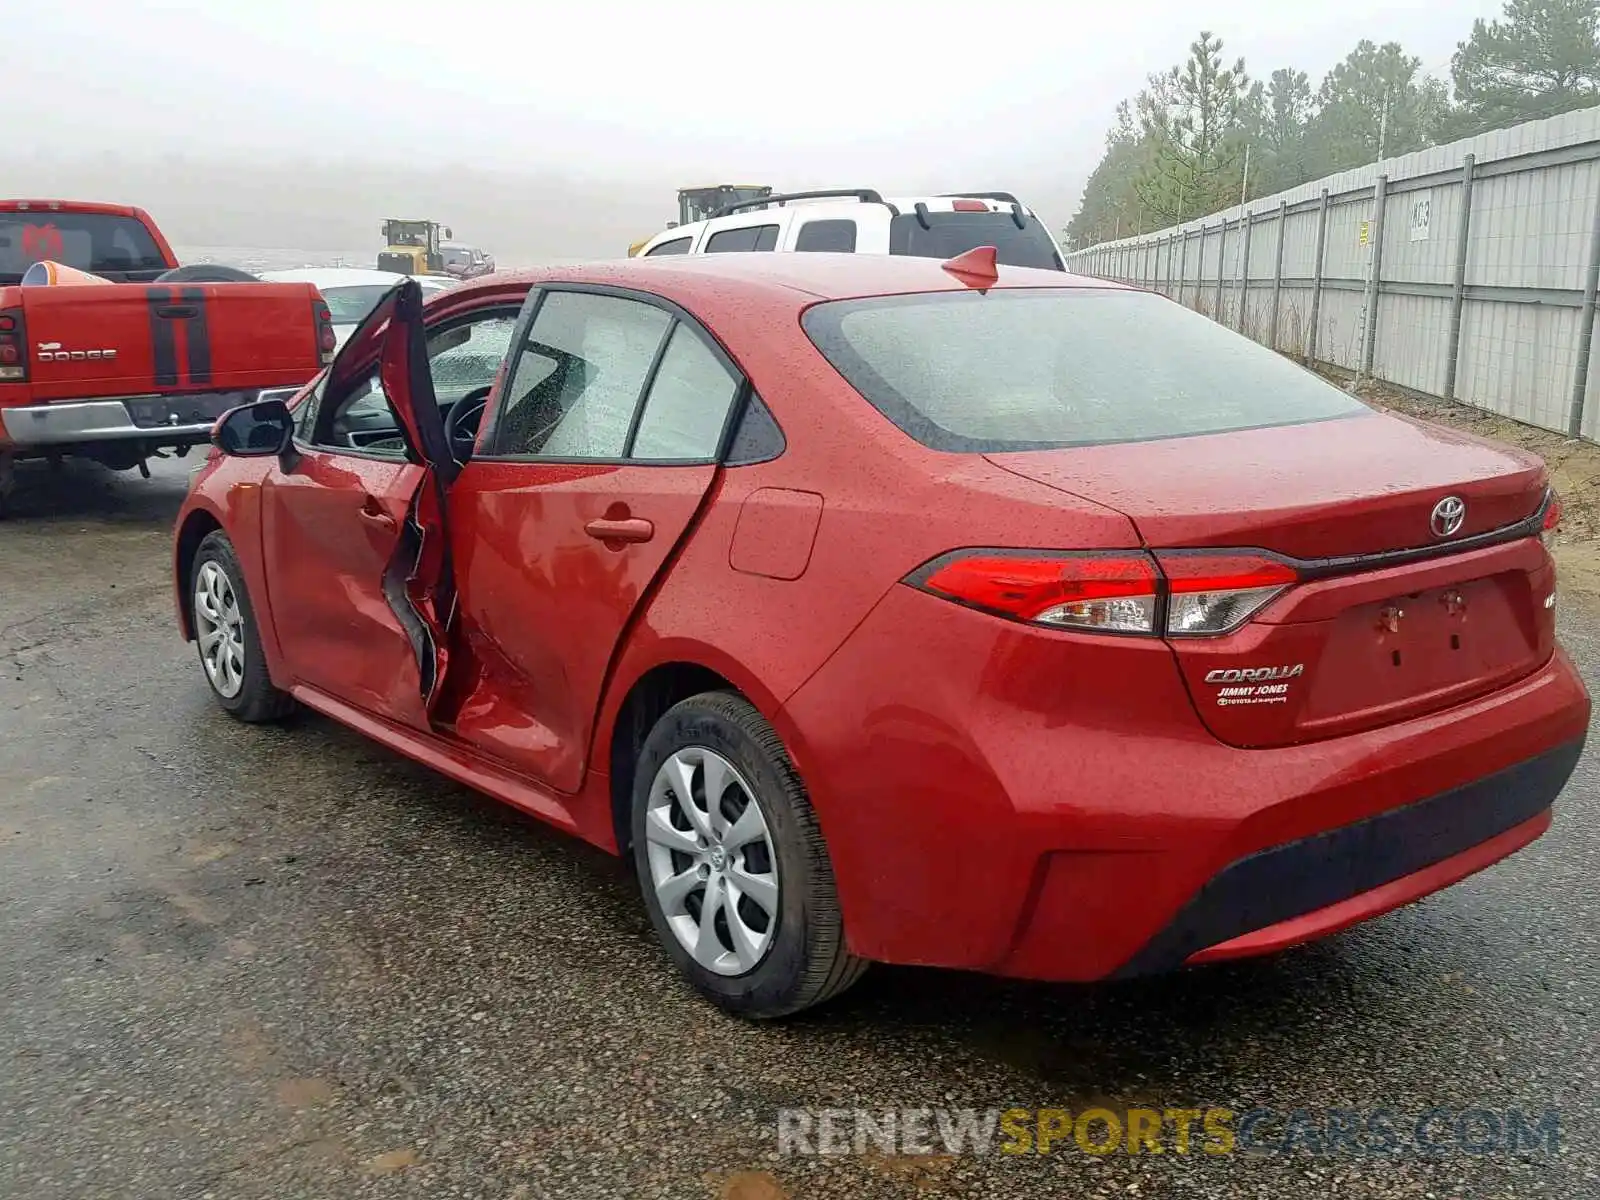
(968, 206)
(1179, 593)
(326, 341)
(1552, 520)
(1112, 593)
(1213, 593)
(13, 346)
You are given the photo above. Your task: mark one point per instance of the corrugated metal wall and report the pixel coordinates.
(1490, 245)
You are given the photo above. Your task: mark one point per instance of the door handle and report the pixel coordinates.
(628, 529)
(174, 311)
(372, 512)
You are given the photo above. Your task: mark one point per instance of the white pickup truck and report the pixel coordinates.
(861, 221)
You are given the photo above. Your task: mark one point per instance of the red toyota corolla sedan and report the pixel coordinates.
(884, 609)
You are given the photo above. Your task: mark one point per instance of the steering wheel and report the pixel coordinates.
(466, 414)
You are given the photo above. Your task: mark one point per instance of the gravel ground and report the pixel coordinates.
(285, 963)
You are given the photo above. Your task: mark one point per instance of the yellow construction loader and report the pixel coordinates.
(412, 247)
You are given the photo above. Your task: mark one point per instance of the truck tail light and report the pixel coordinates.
(1182, 593)
(13, 346)
(327, 342)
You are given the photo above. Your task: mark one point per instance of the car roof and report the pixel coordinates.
(800, 277)
(848, 208)
(845, 206)
(334, 277)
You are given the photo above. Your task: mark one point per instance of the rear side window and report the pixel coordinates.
(836, 236)
(948, 234)
(100, 243)
(750, 237)
(675, 246)
(1043, 368)
(688, 402)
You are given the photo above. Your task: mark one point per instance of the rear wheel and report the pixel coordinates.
(732, 865)
(225, 632)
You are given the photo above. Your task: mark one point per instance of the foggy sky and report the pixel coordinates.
(558, 128)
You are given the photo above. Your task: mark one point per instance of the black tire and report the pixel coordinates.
(807, 962)
(257, 700)
(206, 273)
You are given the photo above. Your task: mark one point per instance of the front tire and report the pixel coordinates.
(732, 865)
(225, 632)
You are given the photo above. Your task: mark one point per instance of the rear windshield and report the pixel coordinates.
(99, 243)
(1041, 368)
(350, 305)
(951, 233)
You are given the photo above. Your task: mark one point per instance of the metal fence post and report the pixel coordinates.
(1246, 228)
(1183, 267)
(1591, 289)
(1369, 326)
(1277, 273)
(1316, 280)
(1458, 287)
(1222, 262)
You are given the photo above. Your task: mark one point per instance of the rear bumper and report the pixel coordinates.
(159, 420)
(1048, 806)
(1316, 885)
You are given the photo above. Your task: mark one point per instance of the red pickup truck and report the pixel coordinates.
(120, 373)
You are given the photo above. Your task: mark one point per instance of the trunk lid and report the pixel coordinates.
(1355, 644)
(1325, 489)
(87, 341)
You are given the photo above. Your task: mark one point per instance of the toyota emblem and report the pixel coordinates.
(1448, 516)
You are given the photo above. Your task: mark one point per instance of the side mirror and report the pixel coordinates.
(264, 429)
(447, 232)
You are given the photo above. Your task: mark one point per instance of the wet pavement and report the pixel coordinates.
(241, 962)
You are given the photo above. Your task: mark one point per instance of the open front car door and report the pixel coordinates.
(420, 582)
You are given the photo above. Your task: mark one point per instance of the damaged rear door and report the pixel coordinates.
(358, 566)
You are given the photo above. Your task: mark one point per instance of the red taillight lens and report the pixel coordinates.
(1214, 593)
(1200, 593)
(13, 340)
(327, 342)
(1111, 593)
(968, 206)
(1552, 520)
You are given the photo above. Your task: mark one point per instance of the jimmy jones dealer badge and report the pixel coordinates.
(1253, 685)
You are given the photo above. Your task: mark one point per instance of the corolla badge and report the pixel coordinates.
(1448, 516)
(1253, 685)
